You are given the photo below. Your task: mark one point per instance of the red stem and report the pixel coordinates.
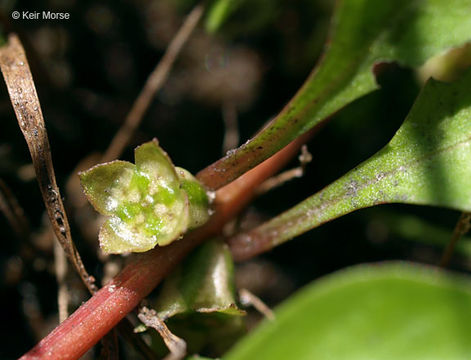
(89, 323)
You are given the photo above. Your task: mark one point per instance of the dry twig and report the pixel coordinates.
(153, 84)
(176, 345)
(247, 299)
(304, 158)
(462, 227)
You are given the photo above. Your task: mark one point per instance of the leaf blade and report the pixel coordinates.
(203, 284)
(391, 311)
(363, 33)
(428, 162)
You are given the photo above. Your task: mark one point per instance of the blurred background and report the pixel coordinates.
(88, 71)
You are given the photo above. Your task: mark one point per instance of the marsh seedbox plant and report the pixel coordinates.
(387, 311)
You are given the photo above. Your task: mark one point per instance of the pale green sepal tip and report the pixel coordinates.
(197, 196)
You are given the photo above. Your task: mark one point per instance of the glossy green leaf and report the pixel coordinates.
(428, 162)
(363, 33)
(198, 300)
(204, 283)
(381, 312)
(147, 203)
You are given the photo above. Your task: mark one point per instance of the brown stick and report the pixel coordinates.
(176, 345)
(282, 178)
(153, 84)
(462, 227)
(25, 101)
(109, 305)
(248, 299)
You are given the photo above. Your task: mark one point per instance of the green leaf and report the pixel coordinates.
(147, 203)
(241, 17)
(428, 162)
(363, 33)
(219, 11)
(204, 283)
(384, 311)
(198, 300)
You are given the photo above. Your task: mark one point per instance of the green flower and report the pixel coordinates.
(150, 203)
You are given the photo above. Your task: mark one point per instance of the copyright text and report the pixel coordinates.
(40, 15)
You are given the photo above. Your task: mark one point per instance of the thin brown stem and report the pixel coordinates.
(176, 345)
(280, 179)
(249, 299)
(153, 84)
(461, 228)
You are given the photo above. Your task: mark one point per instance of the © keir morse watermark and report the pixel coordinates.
(39, 15)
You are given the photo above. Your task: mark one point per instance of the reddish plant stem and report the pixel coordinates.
(238, 163)
(89, 323)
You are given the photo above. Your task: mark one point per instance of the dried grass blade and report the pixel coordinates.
(25, 101)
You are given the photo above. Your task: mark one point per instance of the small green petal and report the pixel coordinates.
(165, 205)
(117, 238)
(152, 160)
(103, 184)
(199, 202)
